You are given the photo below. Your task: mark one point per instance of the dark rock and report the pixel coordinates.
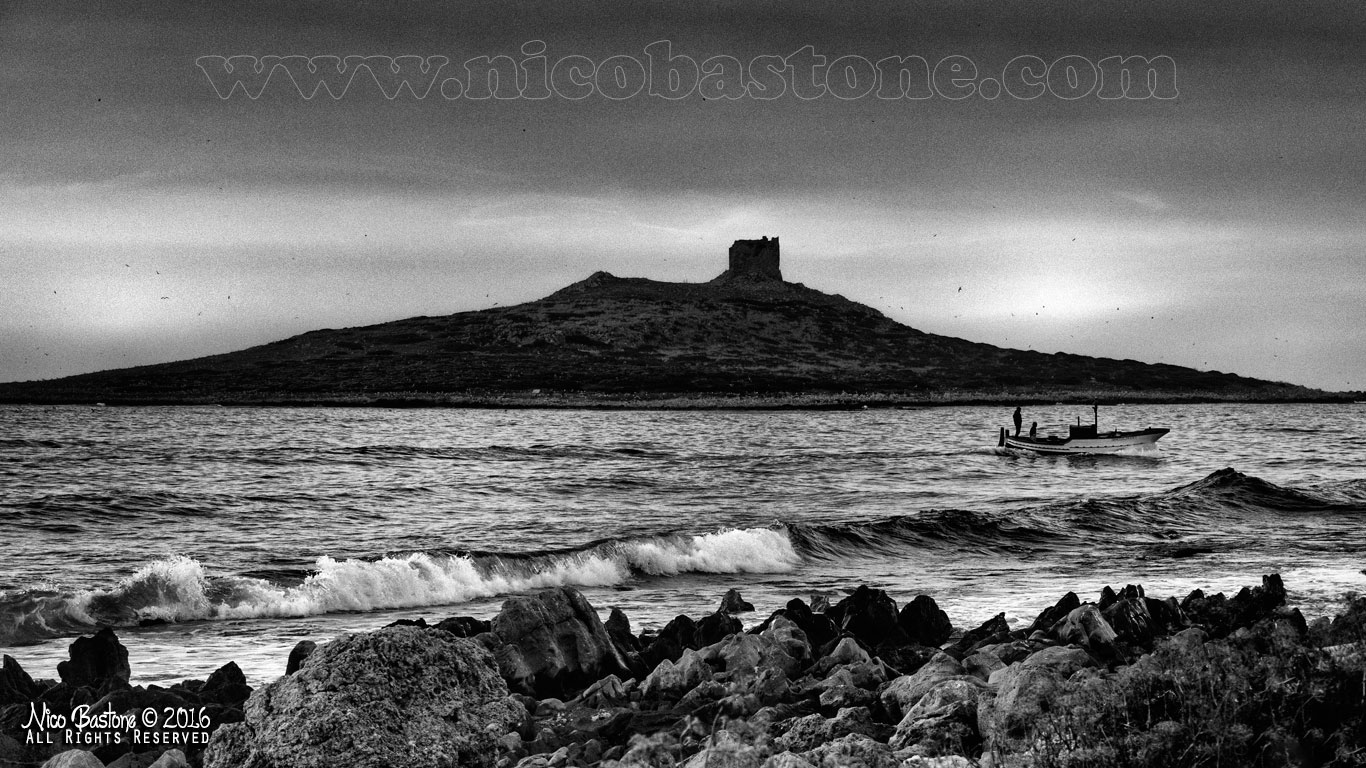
(1107, 597)
(819, 603)
(733, 603)
(670, 680)
(1025, 692)
(1220, 616)
(903, 693)
(398, 696)
(554, 644)
(419, 622)
(153, 696)
(1132, 622)
(299, 654)
(924, 622)
(1050, 616)
(619, 630)
(677, 636)
(227, 686)
(16, 687)
(818, 628)
(991, 630)
(871, 616)
(464, 626)
(99, 661)
(1086, 626)
(716, 627)
(908, 658)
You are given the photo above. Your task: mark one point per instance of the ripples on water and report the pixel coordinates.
(250, 528)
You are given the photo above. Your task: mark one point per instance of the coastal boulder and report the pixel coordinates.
(924, 622)
(715, 627)
(16, 687)
(1025, 691)
(1086, 626)
(903, 693)
(871, 616)
(299, 654)
(677, 636)
(99, 661)
(554, 644)
(731, 602)
(671, 680)
(618, 628)
(398, 696)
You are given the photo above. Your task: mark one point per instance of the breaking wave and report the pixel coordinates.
(181, 589)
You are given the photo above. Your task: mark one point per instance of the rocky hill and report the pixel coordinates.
(610, 339)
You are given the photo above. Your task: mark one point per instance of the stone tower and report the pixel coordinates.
(755, 259)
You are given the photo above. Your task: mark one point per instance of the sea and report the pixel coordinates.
(212, 534)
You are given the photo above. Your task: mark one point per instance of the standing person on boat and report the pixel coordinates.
(1018, 420)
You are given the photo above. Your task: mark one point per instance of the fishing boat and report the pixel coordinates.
(1083, 439)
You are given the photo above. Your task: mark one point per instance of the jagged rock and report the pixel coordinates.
(419, 622)
(1086, 627)
(677, 636)
(992, 630)
(227, 686)
(731, 602)
(1220, 616)
(924, 622)
(805, 733)
(619, 630)
(16, 687)
(1132, 621)
(74, 758)
(854, 749)
(671, 680)
(945, 718)
(399, 696)
(847, 651)
(99, 661)
(715, 627)
(553, 643)
(299, 654)
(905, 692)
(787, 635)
(871, 616)
(817, 627)
(744, 655)
(1050, 616)
(982, 662)
(464, 626)
(605, 692)
(837, 697)
(1025, 691)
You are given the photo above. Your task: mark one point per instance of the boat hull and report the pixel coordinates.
(1113, 442)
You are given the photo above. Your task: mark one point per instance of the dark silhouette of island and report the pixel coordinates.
(747, 337)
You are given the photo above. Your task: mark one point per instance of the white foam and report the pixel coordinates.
(748, 550)
(179, 589)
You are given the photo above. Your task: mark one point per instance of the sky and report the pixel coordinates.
(151, 212)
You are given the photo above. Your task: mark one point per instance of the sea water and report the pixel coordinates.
(208, 535)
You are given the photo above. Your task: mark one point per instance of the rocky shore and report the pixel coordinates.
(1125, 680)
